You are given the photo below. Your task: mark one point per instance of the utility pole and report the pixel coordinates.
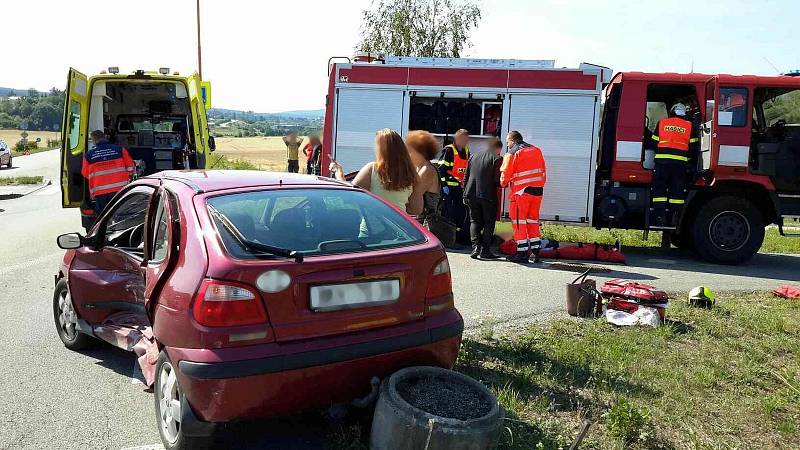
(199, 52)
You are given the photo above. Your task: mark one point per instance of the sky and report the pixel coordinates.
(269, 56)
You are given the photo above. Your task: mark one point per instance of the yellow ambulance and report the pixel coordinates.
(160, 117)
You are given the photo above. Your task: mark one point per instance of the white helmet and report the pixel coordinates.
(679, 109)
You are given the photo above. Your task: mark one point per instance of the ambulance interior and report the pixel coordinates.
(444, 115)
(775, 147)
(150, 119)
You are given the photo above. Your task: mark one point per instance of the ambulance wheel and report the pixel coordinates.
(728, 230)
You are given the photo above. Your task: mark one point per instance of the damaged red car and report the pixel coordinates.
(253, 294)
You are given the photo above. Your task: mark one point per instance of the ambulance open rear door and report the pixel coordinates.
(73, 139)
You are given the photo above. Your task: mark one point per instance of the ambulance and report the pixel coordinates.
(595, 130)
(160, 117)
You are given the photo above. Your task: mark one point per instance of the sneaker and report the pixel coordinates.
(488, 255)
(475, 252)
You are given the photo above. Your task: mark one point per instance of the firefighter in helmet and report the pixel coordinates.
(452, 167)
(676, 143)
(524, 173)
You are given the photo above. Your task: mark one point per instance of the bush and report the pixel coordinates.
(627, 423)
(53, 143)
(30, 145)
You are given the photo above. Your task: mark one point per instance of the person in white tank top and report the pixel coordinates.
(392, 176)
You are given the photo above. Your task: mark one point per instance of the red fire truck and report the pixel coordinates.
(592, 128)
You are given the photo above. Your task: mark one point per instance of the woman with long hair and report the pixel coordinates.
(391, 176)
(422, 148)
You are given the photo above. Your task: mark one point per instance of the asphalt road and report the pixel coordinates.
(55, 398)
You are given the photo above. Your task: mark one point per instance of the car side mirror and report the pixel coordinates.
(212, 143)
(70, 241)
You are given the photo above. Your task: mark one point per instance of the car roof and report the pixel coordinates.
(215, 180)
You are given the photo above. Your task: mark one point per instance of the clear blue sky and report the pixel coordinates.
(271, 55)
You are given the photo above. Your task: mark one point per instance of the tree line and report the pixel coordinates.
(39, 111)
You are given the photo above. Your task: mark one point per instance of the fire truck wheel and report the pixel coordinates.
(728, 230)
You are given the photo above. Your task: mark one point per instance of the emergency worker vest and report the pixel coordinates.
(108, 168)
(526, 172)
(674, 133)
(459, 164)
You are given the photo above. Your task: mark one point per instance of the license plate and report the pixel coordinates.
(332, 297)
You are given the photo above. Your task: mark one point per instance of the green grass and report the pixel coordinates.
(16, 181)
(773, 241)
(722, 378)
(223, 162)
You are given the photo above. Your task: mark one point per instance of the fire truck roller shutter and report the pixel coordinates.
(563, 127)
(360, 113)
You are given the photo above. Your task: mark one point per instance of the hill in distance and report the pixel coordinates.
(309, 114)
(12, 92)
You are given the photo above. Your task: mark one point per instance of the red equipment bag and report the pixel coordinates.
(631, 290)
(586, 252)
(508, 247)
(787, 291)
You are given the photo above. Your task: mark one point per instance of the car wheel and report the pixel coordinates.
(728, 230)
(169, 408)
(9, 162)
(66, 319)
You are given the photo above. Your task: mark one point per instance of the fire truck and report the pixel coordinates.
(160, 117)
(592, 127)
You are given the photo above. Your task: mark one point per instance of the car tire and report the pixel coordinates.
(9, 162)
(66, 319)
(728, 230)
(169, 403)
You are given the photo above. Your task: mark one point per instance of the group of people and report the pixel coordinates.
(312, 151)
(427, 181)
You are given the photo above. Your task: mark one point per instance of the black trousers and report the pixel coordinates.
(483, 214)
(454, 209)
(293, 166)
(669, 184)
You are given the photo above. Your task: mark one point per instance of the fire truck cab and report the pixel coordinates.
(748, 172)
(159, 117)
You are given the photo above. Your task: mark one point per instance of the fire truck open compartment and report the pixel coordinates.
(775, 150)
(149, 118)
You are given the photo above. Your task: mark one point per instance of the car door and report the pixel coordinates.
(73, 138)
(106, 278)
(161, 244)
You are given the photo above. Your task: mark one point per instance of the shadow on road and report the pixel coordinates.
(312, 430)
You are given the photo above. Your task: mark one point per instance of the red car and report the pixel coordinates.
(254, 294)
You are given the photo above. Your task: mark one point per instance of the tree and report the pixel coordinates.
(428, 28)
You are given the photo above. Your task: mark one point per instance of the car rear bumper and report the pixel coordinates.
(313, 374)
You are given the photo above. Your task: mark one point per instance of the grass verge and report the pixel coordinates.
(722, 378)
(16, 181)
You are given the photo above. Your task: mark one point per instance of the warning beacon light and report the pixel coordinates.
(113, 70)
(164, 71)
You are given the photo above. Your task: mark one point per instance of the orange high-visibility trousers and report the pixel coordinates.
(524, 215)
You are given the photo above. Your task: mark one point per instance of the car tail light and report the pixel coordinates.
(439, 295)
(225, 304)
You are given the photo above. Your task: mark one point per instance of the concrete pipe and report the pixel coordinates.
(435, 409)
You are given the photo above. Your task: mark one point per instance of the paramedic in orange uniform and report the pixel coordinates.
(524, 173)
(676, 143)
(108, 168)
(452, 166)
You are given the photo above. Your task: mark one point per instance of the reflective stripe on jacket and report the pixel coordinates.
(108, 168)
(674, 135)
(451, 166)
(524, 171)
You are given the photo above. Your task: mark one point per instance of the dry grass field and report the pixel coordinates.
(12, 136)
(268, 153)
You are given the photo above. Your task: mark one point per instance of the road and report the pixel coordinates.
(55, 398)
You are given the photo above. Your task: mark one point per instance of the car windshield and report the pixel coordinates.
(310, 221)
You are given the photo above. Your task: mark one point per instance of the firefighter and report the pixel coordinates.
(525, 174)
(676, 143)
(452, 167)
(108, 168)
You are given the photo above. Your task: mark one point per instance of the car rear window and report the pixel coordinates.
(310, 221)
